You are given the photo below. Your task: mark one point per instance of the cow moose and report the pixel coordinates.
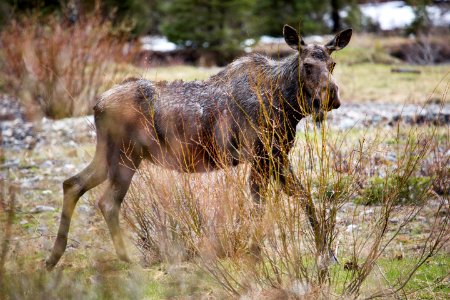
(247, 112)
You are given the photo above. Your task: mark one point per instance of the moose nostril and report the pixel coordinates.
(316, 103)
(336, 104)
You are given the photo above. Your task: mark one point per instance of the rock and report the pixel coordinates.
(300, 288)
(29, 139)
(47, 164)
(42, 208)
(351, 228)
(369, 211)
(69, 167)
(350, 206)
(421, 219)
(84, 208)
(369, 114)
(394, 220)
(347, 123)
(10, 164)
(391, 157)
(7, 132)
(42, 229)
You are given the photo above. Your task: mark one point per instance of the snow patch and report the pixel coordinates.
(265, 39)
(156, 43)
(397, 14)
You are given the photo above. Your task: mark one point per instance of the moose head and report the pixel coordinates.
(319, 90)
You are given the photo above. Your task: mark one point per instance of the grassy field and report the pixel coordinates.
(370, 82)
(90, 269)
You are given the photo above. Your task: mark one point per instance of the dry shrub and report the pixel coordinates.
(57, 68)
(423, 50)
(177, 215)
(374, 232)
(210, 218)
(437, 166)
(289, 249)
(7, 214)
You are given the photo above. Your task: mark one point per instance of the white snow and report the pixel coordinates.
(397, 14)
(389, 15)
(156, 43)
(439, 16)
(265, 39)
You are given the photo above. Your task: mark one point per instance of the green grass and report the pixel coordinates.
(408, 192)
(154, 290)
(101, 280)
(430, 281)
(369, 82)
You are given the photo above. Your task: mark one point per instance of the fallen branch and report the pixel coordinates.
(399, 70)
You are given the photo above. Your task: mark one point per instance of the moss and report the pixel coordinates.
(396, 189)
(426, 280)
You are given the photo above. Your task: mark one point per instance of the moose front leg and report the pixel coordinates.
(281, 169)
(257, 185)
(292, 186)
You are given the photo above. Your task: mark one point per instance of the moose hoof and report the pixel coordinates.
(49, 264)
(124, 258)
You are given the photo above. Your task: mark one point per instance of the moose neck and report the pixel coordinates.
(287, 78)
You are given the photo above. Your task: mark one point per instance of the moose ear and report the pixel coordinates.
(340, 40)
(292, 38)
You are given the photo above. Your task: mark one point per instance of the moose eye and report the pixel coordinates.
(308, 68)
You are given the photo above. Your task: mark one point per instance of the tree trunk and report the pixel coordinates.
(335, 6)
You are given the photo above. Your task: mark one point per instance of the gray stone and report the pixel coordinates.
(7, 132)
(42, 229)
(42, 208)
(351, 228)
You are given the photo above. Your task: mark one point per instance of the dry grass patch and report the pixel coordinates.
(56, 68)
(376, 83)
(209, 219)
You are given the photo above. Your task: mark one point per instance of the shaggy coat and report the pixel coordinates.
(202, 125)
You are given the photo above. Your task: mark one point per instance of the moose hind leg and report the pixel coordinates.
(74, 187)
(119, 179)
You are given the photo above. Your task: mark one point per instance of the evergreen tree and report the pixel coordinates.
(143, 16)
(207, 25)
(304, 14)
(310, 16)
(422, 22)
